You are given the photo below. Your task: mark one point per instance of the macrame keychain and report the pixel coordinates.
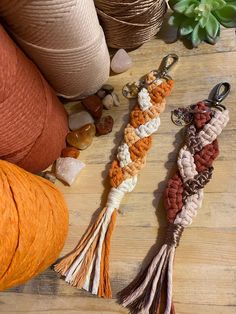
(87, 266)
(182, 198)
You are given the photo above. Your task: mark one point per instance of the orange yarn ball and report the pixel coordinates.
(33, 224)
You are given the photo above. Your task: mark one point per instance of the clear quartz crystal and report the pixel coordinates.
(67, 169)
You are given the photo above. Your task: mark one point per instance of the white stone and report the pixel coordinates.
(121, 61)
(108, 101)
(79, 119)
(116, 99)
(67, 169)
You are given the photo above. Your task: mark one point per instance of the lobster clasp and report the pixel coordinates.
(219, 93)
(167, 63)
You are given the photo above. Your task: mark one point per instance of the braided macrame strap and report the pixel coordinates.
(182, 198)
(87, 266)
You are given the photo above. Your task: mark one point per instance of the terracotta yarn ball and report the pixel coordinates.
(33, 124)
(33, 224)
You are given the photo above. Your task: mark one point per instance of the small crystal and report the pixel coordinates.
(121, 61)
(67, 169)
(83, 137)
(49, 175)
(104, 125)
(70, 152)
(108, 88)
(108, 101)
(116, 99)
(79, 119)
(101, 93)
(94, 105)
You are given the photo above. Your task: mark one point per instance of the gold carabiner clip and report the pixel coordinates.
(166, 65)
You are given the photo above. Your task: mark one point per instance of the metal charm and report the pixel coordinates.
(182, 116)
(131, 90)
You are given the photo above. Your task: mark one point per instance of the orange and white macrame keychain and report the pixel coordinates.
(182, 198)
(87, 266)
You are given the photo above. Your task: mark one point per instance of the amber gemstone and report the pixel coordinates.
(83, 137)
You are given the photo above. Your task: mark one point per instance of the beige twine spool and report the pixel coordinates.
(130, 23)
(64, 39)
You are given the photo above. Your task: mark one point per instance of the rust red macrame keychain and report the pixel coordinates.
(182, 198)
(87, 266)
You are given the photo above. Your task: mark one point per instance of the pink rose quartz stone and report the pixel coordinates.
(121, 61)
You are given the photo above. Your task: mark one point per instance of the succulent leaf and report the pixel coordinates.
(182, 5)
(212, 26)
(195, 38)
(189, 12)
(203, 21)
(186, 27)
(227, 15)
(176, 19)
(217, 4)
(199, 20)
(211, 40)
(172, 3)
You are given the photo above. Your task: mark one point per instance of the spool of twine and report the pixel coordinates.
(33, 123)
(130, 23)
(64, 39)
(33, 225)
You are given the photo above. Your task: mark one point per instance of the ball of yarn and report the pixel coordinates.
(33, 123)
(64, 39)
(33, 224)
(129, 24)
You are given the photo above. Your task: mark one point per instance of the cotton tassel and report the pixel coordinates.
(87, 266)
(143, 295)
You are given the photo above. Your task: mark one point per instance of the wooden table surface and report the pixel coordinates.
(205, 264)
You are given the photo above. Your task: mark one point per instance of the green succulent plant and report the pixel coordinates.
(199, 20)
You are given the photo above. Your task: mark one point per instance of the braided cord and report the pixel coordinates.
(144, 121)
(184, 192)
